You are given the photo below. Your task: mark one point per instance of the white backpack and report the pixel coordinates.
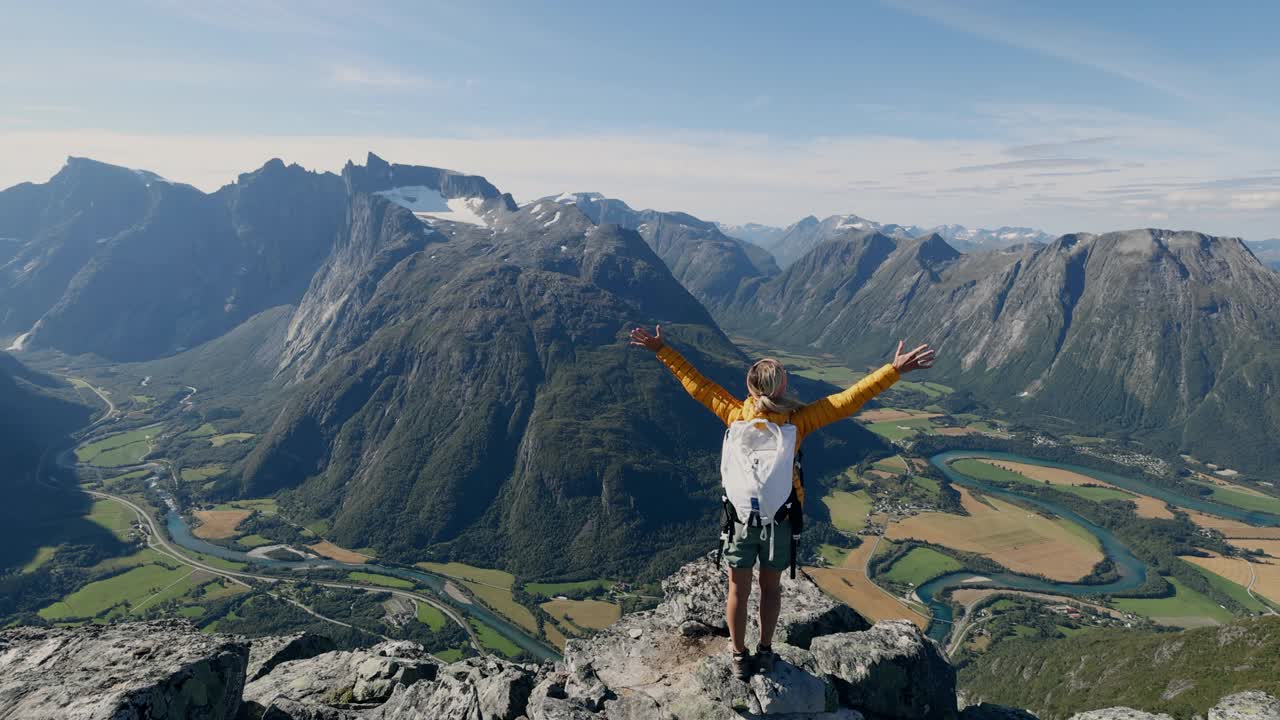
(756, 464)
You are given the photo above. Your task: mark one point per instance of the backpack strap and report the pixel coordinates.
(727, 526)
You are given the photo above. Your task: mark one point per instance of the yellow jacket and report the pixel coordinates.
(807, 419)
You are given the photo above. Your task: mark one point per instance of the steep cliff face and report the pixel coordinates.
(127, 265)
(470, 388)
(1150, 330)
(35, 421)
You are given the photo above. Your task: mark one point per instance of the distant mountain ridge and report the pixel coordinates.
(1268, 251)
(118, 262)
(790, 243)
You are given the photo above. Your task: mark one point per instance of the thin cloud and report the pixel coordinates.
(1032, 164)
(372, 77)
(1058, 148)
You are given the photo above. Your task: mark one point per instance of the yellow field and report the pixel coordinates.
(216, 524)
(462, 571)
(220, 440)
(1017, 538)
(554, 636)
(594, 614)
(849, 584)
(1147, 506)
(1237, 570)
(1270, 547)
(1233, 528)
(343, 555)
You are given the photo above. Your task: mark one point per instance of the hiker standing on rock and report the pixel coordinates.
(761, 472)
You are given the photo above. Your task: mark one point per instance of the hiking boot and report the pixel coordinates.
(742, 665)
(764, 659)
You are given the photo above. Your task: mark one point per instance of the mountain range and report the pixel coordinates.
(792, 242)
(1171, 335)
(441, 367)
(1268, 251)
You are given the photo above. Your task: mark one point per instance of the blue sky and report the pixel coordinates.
(1068, 116)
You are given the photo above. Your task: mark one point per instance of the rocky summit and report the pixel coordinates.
(669, 663)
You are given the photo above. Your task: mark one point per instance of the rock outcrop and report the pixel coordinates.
(669, 663)
(157, 670)
(1251, 705)
(360, 678)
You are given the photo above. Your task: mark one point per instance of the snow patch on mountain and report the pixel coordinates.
(428, 204)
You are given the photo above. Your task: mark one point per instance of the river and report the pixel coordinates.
(181, 535)
(1132, 571)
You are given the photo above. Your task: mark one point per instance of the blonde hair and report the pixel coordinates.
(767, 383)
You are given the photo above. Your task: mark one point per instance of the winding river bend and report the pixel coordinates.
(1131, 571)
(181, 535)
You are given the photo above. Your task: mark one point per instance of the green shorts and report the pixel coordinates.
(742, 552)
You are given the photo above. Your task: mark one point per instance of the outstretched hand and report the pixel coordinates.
(921, 357)
(641, 338)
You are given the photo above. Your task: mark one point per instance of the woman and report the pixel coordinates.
(767, 399)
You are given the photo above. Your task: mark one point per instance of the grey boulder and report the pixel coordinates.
(892, 670)
(161, 669)
(1249, 705)
(367, 676)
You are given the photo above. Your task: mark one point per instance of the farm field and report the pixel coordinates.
(890, 414)
(253, 541)
(383, 580)
(1187, 608)
(1017, 538)
(1066, 481)
(899, 429)
(220, 440)
(126, 448)
(333, 552)
(216, 524)
(1230, 575)
(430, 616)
(492, 640)
(554, 636)
(848, 509)
(205, 430)
(132, 586)
(492, 587)
(594, 614)
(202, 472)
(553, 589)
(1241, 497)
(1233, 528)
(266, 506)
(849, 584)
(920, 565)
(894, 464)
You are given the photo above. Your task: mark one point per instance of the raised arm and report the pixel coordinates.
(715, 398)
(847, 402)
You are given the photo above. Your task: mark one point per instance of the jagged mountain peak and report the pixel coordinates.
(379, 175)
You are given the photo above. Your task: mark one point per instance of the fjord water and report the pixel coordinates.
(181, 534)
(1132, 571)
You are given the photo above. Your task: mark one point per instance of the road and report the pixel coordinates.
(156, 540)
(111, 406)
(1253, 580)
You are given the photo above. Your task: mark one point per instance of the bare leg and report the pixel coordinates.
(770, 603)
(736, 607)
